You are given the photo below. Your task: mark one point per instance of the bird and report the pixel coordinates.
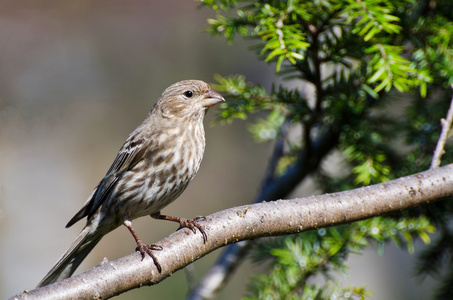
(152, 168)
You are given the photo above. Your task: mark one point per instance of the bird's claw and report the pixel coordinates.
(192, 225)
(145, 248)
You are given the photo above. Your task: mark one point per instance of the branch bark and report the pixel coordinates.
(249, 222)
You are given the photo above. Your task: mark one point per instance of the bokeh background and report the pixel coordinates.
(76, 77)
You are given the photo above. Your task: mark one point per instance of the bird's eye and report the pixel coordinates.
(188, 94)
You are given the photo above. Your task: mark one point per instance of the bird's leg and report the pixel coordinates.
(188, 223)
(144, 248)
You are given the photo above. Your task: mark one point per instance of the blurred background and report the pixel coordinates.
(76, 77)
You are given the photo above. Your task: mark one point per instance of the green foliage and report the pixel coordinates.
(380, 71)
(295, 259)
(372, 17)
(248, 98)
(286, 29)
(388, 68)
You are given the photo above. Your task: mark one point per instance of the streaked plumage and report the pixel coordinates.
(152, 168)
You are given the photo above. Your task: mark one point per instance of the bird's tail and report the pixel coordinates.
(69, 262)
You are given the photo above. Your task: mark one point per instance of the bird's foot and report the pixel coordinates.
(193, 225)
(183, 222)
(148, 249)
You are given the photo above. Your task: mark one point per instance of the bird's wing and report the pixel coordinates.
(128, 157)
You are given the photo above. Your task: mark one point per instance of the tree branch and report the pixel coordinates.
(248, 222)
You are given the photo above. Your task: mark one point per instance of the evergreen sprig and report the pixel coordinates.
(380, 71)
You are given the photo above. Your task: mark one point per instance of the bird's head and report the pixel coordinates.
(187, 99)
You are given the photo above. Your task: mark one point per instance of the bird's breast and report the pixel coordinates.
(160, 177)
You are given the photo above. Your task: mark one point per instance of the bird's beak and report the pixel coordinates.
(211, 98)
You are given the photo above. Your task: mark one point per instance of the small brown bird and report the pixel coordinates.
(152, 168)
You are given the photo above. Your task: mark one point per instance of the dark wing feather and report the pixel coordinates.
(127, 158)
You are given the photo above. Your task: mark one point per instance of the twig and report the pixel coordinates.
(446, 126)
